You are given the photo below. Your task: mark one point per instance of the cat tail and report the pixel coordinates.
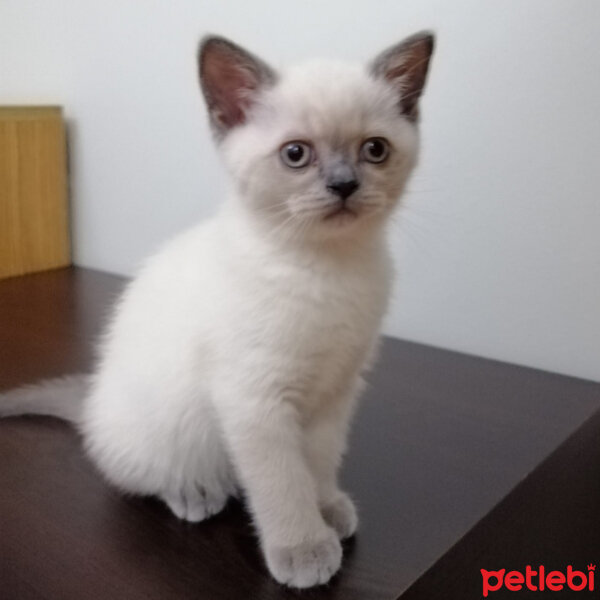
(61, 397)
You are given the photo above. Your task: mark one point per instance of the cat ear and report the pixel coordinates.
(230, 78)
(405, 66)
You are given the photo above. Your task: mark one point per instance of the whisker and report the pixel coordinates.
(419, 241)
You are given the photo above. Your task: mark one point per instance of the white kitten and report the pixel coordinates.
(234, 359)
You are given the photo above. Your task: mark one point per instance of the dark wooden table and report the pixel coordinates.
(456, 463)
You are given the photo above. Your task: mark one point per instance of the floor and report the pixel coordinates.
(456, 463)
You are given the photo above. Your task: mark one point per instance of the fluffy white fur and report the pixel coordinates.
(233, 360)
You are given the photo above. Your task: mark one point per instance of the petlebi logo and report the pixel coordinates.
(539, 580)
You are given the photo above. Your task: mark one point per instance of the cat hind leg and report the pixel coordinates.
(340, 514)
(195, 503)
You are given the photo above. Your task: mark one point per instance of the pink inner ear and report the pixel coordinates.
(410, 75)
(412, 68)
(229, 84)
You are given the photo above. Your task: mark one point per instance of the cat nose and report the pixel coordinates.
(343, 188)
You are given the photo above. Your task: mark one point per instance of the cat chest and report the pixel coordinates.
(313, 338)
(320, 314)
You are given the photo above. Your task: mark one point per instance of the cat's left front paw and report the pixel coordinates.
(341, 515)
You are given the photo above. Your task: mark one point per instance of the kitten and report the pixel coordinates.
(233, 361)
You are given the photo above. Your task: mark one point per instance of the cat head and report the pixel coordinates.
(322, 150)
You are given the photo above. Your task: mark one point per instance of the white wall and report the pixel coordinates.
(499, 247)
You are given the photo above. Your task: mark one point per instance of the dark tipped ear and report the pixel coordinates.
(405, 66)
(230, 78)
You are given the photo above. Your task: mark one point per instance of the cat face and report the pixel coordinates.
(324, 150)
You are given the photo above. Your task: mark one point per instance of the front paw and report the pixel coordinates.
(341, 515)
(307, 564)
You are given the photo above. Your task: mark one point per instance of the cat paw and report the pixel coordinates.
(341, 515)
(195, 503)
(307, 564)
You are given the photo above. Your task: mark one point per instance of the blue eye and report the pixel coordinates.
(296, 154)
(375, 150)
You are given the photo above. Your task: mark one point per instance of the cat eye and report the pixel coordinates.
(296, 154)
(375, 150)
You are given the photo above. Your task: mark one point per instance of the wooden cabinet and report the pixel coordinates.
(34, 224)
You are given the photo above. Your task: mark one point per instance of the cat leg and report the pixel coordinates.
(325, 444)
(340, 513)
(265, 442)
(194, 503)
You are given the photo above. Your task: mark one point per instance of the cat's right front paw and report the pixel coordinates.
(308, 564)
